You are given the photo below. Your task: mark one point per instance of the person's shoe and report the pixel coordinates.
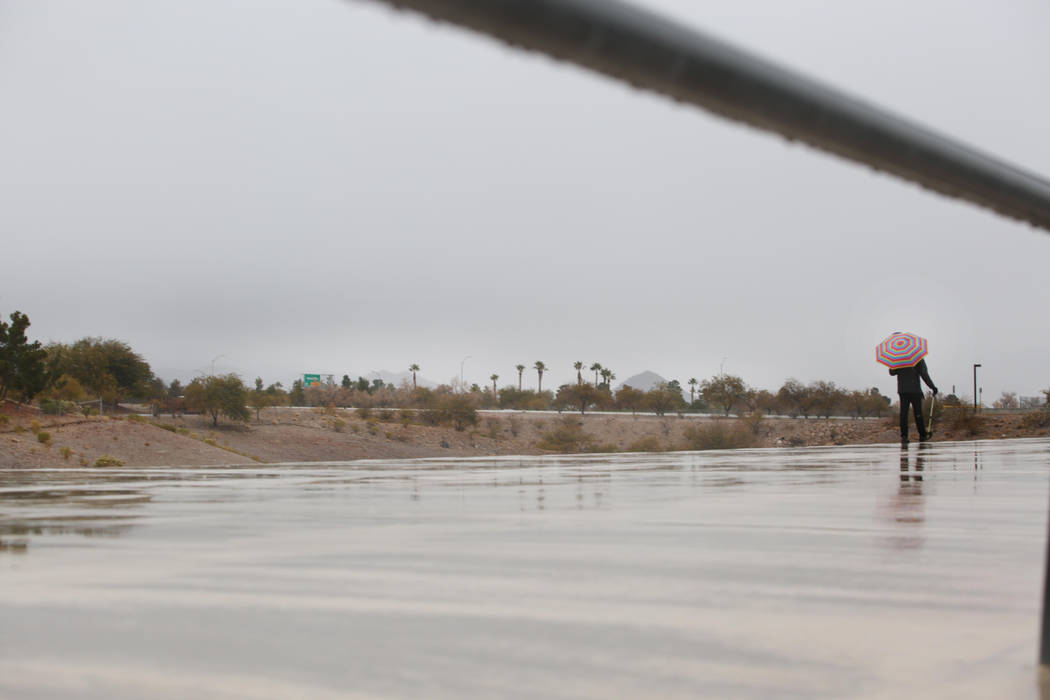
(925, 437)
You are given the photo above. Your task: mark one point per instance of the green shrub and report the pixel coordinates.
(50, 407)
(135, 418)
(164, 426)
(567, 436)
(718, 436)
(338, 425)
(44, 438)
(35, 426)
(4, 420)
(66, 452)
(457, 409)
(364, 412)
(109, 461)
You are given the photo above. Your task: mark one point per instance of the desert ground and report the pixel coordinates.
(312, 435)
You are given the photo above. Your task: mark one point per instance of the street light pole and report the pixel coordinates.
(975, 388)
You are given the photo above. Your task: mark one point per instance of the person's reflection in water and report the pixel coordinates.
(908, 504)
(920, 465)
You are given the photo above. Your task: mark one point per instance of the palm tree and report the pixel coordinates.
(596, 368)
(413, 368)
(494, 377)
(520, 368)
(608, 375)
(540, 367)
(579, 377)
(692, 389)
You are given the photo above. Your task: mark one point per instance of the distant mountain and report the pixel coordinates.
(644, 381)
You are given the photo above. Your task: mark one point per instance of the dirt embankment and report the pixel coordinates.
(310, 435)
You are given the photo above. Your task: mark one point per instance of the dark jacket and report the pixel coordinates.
(908, 378)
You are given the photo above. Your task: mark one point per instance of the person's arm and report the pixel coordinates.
(893, 372)
(926, 376)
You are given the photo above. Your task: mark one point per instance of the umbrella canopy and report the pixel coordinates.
(901, 350)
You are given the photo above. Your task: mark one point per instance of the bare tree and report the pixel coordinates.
(1007, 400)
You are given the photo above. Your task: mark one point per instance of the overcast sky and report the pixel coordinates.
(328, 185)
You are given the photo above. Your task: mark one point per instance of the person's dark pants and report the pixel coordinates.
(915, 402)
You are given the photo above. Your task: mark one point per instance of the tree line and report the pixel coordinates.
(64, 376)
(724, 394)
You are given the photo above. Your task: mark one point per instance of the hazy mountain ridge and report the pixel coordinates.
(643, 381)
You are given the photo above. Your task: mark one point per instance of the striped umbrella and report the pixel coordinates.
(901, 350)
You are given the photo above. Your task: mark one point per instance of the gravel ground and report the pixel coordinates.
(284, 435)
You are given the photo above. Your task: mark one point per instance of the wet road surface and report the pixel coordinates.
(846, 572)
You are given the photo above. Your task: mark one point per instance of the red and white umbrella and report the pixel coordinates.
(901, 350)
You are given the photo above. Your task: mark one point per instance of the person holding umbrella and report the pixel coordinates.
(904, 354)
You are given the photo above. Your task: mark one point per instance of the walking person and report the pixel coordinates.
(909, 390)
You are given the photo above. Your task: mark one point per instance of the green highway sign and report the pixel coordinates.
(310, 379)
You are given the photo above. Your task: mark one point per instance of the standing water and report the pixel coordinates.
(860, 572)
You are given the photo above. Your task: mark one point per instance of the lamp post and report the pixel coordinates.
(461, 371)
(721, 365)
(975, 388)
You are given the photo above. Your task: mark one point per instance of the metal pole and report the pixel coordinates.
(650, 51)
(975, 388)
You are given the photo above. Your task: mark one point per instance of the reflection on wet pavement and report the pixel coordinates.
(826, 572)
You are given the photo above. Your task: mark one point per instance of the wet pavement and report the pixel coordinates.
(845, 572)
